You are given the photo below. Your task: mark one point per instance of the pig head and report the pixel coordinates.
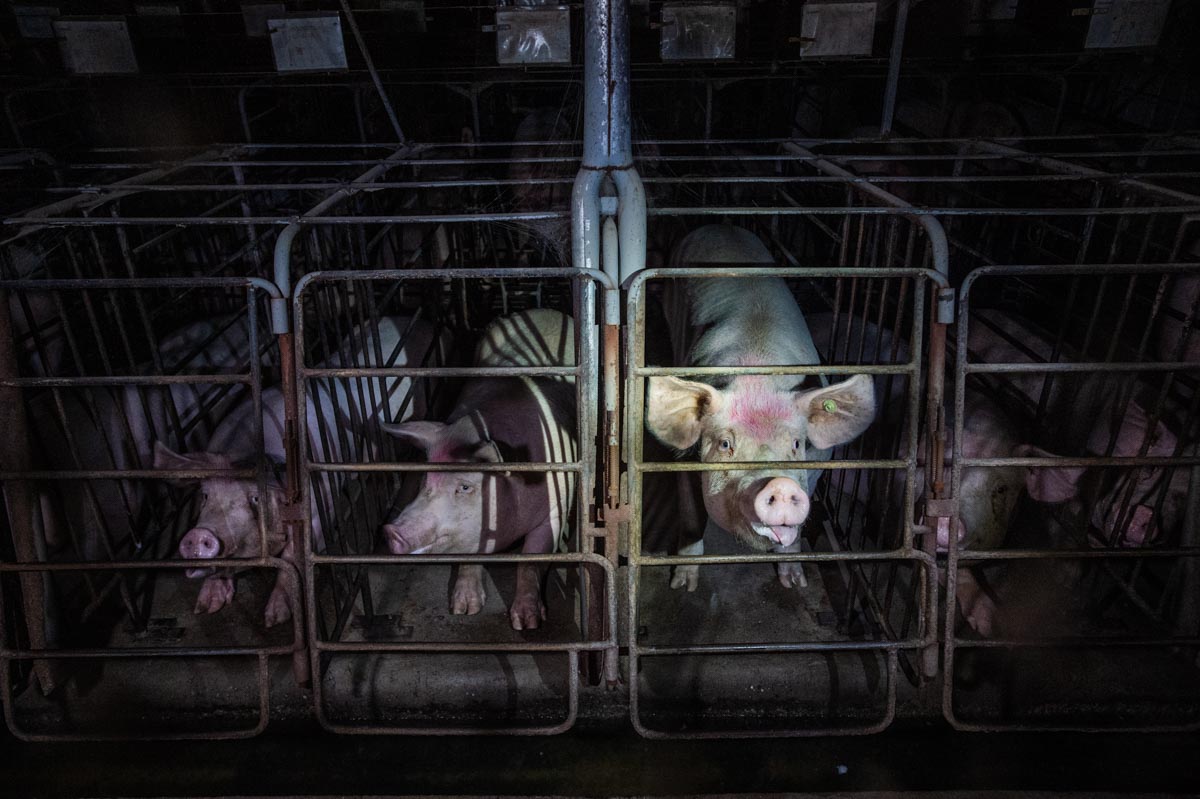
(754, 419)
(230, 515)
(465, 512)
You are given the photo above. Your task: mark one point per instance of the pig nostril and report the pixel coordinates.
(771, 500)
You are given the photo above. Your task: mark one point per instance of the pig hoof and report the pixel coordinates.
(278, 610)
(791, 575)
(215, 593)
(467, 600)
(981, 618)
(686, 577)
(527, 613)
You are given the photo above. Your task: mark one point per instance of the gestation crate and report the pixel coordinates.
(315, 254)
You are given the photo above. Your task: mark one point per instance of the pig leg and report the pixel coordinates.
(469, 595)
(527, 610)
(688, 576)
(791, 574)
(215, 593)
(692, 524)
(279, 607)
(977, 607)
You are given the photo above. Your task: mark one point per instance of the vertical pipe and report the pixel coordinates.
(631, 221)
(585, 219)
(606, 114)
(893, 78)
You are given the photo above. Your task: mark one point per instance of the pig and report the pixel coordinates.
(116, 428)
(987, 496)
(498, 419)
(1113, 425)
(232, 510)
(1176, 321)
(748, 322)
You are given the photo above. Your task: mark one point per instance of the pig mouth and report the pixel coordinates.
(782, 534)
(195, 573)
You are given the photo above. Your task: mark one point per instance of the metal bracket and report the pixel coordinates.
(943, 508)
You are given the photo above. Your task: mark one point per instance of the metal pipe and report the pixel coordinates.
(280, 319)
(607, 141)
(938, 243)
(362, 46)
(893, 78)
(631, 219)
(585, 219)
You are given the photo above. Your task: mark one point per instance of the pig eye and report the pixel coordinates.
(254, 500)
(465, 488)
(203, 497)
(726, 445)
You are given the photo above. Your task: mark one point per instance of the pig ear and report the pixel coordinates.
(487, 452)
(421, 434)
(1049, 484)
(838, 413)
(167, 459)
(675, 408)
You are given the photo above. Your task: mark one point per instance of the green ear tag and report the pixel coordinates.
(829, 405)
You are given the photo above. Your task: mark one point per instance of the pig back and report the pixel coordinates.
(530, 419)
(537, 337)
(733, 322)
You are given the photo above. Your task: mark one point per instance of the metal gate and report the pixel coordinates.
(386, 655)
(1075, 318)
(729, 649)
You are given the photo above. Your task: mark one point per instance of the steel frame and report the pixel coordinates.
(941, 172)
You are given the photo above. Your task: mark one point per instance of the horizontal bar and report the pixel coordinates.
(90, 284)
(682, 180)
(808, 646)
(347, 275)
(1060, 367)
(131, 474)
(466, 466)
(462, 646)
(1097, 642)
(257, 562)
(454, 558)
(148, 652)
(443, 371)
(1175, 210)
(915, 555)
(1090, 461)
(790, 369)
(1125, 553)
(695, 466)
(127, 380)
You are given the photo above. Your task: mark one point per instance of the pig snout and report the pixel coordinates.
(402, 540)
(200, 543)
(777, 508)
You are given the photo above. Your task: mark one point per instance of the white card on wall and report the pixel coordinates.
(96, 45)
(308, 43)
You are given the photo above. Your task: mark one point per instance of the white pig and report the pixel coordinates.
(231, 510)
(748, 322)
